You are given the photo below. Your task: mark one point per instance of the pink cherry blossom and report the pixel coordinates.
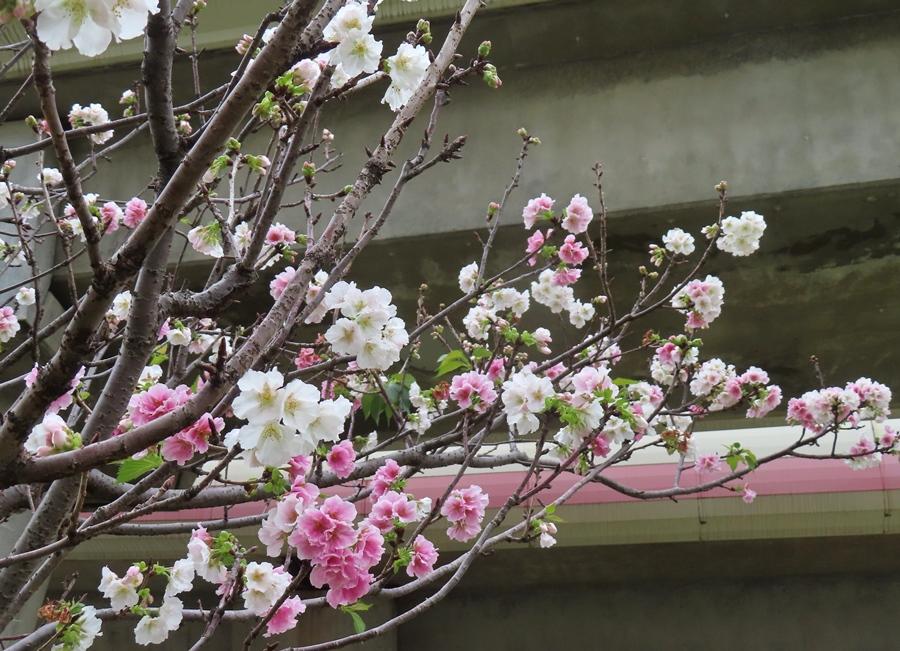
(306, 357)
(496, 369)
(754, 375)
(280, 234)
(340, 459)
(384, 477)
(464, 509)
(65, 400)
(600, 446)
(390, 506)
(285, 618)
(182, 446)
(535, 244)
(369, 544)
(708, 463)
(473, 389)
(566, 276)
(572, 251)
(156, 401)
(589, 379)
(111, 214)
(135, 212)
(280, 282)
(299, 466)
(761, 406)
(424, 556)
(536, 208)
(748, 495)
(9, 324)
(306, 492)
(555, 371)
(578, 215)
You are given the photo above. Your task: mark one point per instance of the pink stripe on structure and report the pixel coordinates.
(781, 477)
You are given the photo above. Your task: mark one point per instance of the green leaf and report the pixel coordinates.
(624, 381)
(750, 459)
(358, 624)
(480, 352)
(452, 361)
(373, 406)
(398, 394)
(131, 469)
(353, 610)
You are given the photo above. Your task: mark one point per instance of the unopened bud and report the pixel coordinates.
(31, 122)
(423, 26)
(233, 145)
(721, 186)
(484, 50)
(327, 136)
(522, 132)
(244, 44)
(309, 170)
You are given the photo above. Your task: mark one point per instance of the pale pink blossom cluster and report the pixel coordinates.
(524, 397)
(701, 301)
(473, 390)
(341, 458)
(671, 359)
(50, 436)
(9, 324)
(92, 115)
(392, 509)
(537, 209)
(157, 401)
(823, 408)
(575, 218)
(423, 556)
(464, 509)
(135, 212)
(340, 553)
(864, 454)
(707, 463)
(386, 478)
(722, 388)
(493, 308)
(874, 399)
(280, 235)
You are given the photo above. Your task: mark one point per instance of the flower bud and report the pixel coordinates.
(309, 170)
(244, 44)
(31, 122)
(484, 50)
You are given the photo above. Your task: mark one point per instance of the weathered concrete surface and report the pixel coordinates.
(772, 101)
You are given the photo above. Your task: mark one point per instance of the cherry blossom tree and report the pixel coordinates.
(150, 383)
